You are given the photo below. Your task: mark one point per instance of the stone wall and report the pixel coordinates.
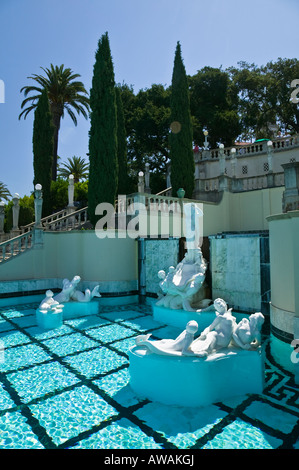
(159, 254)
(239, 265)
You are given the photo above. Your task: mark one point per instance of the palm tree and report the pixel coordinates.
(75, 166)
(65, 94)
(4, 192)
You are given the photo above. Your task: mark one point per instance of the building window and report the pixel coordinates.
(244, 169)
(292, 160)
(266, 167)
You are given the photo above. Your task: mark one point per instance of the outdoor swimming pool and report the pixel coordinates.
(69, 388)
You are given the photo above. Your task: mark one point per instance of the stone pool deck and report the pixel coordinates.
(69, 388)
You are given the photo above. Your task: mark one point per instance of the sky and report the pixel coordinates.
(143, 35)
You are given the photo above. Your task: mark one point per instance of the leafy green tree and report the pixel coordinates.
(75, 166)
(121, 146)
(181, 153)
(65, 93)
(4, 192)
(43, 149)
(103, 170)
(280, 75)
(214, 106)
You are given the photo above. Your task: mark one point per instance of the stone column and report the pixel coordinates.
(71, 189)
(141, 182)
(15, 216)
(290, 198)
(221, 159)
(38, 228)
(270, 175)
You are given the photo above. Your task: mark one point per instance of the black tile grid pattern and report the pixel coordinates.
(280, 397)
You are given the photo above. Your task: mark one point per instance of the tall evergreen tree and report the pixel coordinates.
(103, 168)
(181, 154)
(121, 146)
(43, 138)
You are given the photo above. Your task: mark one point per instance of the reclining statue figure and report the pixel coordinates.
(69, 292)
(223, 332)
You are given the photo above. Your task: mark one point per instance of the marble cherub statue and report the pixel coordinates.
(49, 304)
(218, 335)
(247, 333)
(171, 347)
(222, 333)
(181, 284)
(70, 292)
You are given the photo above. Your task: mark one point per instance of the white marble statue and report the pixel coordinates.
(184, 287)
(48, 304)
(171, 347)
(222, 333)
(218, 335)
(181, 284)
(69, 292)
(247, 333)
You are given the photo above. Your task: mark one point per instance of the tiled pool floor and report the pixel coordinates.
(69, 388)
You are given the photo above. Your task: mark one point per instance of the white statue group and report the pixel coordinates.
(68, 293)
(223, 332)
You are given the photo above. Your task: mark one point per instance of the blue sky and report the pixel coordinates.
(143, 36)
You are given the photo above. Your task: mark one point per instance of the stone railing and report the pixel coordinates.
(46, 220)
(15, 246)
(239, 184)
(249, 149)
(69, 221)
(142, 201)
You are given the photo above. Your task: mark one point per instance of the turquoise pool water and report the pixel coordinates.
(69, 388)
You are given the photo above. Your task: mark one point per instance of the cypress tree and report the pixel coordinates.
(43, 138)
(103, 168)
(181, 153)
(121, 146)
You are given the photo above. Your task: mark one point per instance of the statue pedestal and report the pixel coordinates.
(193, 381)
(49, 320)
(179, 318)
(70, 310)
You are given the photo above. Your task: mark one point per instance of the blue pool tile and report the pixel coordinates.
(181, 426)
(70, 413)
(40, 333)
(143, 323)
(68, 344)
(121, 315)
(16, 433)
(22, 356)
(46, 378)
(117, 386)
(122, 434)
(13, 338)
(124, 345)
(5, 400)
(241, 435)
(110, 333)
(87, 322)
(272, 416)
(96, 361)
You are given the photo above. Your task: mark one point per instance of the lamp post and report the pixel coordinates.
(206, 142)
(71, 189)
(141, 182)
(233, 162)
(221, 159)
(38, 204)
